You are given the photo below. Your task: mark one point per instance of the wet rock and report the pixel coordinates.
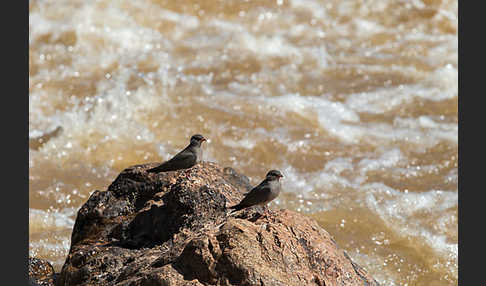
(174, 228)
(41, 272)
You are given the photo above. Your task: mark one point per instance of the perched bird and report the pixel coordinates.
(262, 194)
(184, 159)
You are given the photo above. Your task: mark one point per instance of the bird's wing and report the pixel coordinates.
(184, 156)
(255, 195)
(182, 160)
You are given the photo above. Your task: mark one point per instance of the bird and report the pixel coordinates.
(184, 159)
(262, 194)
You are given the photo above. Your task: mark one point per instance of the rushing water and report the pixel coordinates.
(354, 101)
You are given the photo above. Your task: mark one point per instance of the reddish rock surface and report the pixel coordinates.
(175, 229)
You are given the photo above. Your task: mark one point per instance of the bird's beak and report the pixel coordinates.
(204, 139)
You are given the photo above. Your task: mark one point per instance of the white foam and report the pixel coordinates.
(331, 115)
(452, 176)
(268, 46)
(245, 143)
(40, 220)
(339, 165)
(108, 114)
(59, 246)
(339, 120)
(366, 27)
(395, 208)
(295, 181)
(331, 180)
(386, 99)
(388, 159)
(316, 8)
(424, 129)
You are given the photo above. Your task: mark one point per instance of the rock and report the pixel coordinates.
(174, 228)
(41, 272)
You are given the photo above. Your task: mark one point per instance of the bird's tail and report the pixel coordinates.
(236, 207)
(158, 169)
(153, 170)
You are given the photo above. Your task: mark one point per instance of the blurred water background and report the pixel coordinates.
(356, 102)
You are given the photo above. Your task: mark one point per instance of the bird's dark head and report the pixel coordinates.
(197, 139)
(274, 175)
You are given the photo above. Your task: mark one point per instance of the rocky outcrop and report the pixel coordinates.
(174, 228)
(41, 272)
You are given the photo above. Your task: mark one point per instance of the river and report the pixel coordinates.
(356, 102)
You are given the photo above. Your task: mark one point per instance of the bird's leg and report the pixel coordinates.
(262, 211)
(266, 211)
(263, 226)
(269, 211)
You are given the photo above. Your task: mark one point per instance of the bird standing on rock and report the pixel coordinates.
(262, 194)
(184, 159)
